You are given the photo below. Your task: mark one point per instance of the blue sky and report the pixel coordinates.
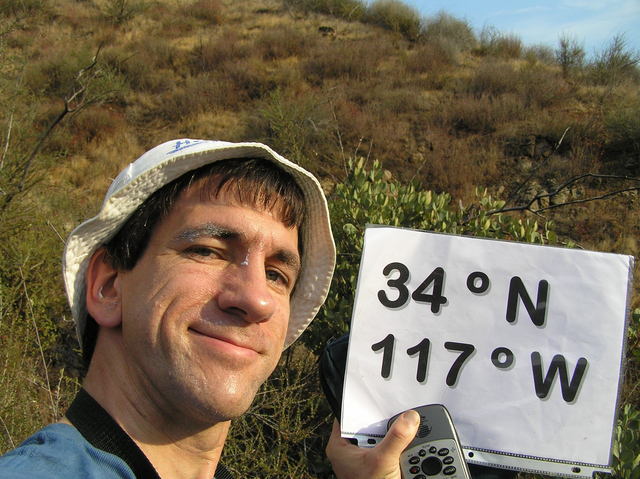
(593, 23)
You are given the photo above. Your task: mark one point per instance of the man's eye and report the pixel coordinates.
(201, 251)
(277, 277)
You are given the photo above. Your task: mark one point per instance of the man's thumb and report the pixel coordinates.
(400, 434)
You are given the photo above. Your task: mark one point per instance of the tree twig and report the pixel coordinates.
(512, 196)
(54, 408)
(74, 102)
(567, 184)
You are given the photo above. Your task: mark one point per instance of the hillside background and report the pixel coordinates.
(521, 136)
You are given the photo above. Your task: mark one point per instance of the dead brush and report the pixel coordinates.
(282, 42)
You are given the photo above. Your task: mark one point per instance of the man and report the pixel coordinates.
(206, 260)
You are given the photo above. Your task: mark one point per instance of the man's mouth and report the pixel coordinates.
(225, 342)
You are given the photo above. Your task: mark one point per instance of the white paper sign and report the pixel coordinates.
(522, 343)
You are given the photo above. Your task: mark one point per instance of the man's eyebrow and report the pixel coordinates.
(212, 230)
(207, 230)
(292, 260)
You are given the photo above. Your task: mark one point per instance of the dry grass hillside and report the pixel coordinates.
(86, 86)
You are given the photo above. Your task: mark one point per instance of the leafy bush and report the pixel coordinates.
(372, 196)
(33, 390)
(626, 446)
(284, 432)
(396, 16)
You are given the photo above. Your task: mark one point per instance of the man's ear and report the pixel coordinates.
(103, 291)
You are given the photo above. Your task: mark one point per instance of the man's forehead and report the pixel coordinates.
(239, 192)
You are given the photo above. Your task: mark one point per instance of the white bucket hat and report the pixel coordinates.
(170, 160)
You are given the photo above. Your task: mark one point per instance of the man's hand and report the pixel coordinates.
(381, 462)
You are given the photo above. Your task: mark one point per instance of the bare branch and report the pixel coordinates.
(566, 185)
(75, 101)
(512, 196)
(6, 146)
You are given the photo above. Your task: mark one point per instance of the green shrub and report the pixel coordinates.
(285, 431)
(396, 16)
(626, 446)
(372, 196)
(33, 389)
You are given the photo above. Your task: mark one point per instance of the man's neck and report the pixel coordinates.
(175, 446)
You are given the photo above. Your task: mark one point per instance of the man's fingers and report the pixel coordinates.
(335, 440)
(400, 434)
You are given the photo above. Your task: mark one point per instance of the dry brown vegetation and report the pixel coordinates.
(318, 80)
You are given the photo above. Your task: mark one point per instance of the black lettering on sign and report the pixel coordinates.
(387, 345)
(466, 350)
(397, 283)
(502, 358)
(478, 282)
(559, 365)
(422, 350)
(436, 299)
(517, 291)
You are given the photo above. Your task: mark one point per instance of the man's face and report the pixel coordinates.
(206, 308)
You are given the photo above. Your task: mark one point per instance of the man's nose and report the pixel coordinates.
(245, 292)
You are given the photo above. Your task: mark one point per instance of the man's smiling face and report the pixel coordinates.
(206, 308)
